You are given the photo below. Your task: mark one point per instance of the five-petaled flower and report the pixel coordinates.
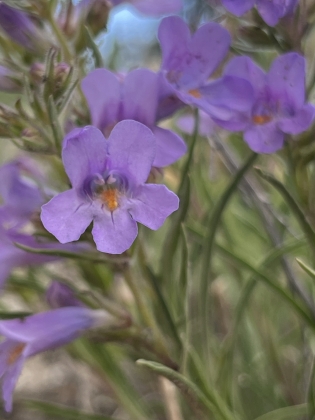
(108, 187)
(189, 60)
(278, 107)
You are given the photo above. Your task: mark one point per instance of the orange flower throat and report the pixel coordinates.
(110, 198)
(15, 353)
(195, 93)
(261, 119)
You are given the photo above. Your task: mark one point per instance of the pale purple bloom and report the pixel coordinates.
(8, 80)
(270, 10)
(112, 99)
(108, 187)
(20, 27)
(60, 295)
(279, 106)
(189, 60)
(12, 257)
(20, 195)
(37, 333)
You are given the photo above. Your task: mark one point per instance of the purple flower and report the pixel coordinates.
(20, 195)
(12, 257)
(37, 333)
(108, 186)
(279, 106)
(188, 61)
(270, 10)
(20, 27)
(8, 80)
(60, 295)
(135, 97)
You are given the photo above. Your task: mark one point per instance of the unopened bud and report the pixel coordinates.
(98, 15)
(37, 72)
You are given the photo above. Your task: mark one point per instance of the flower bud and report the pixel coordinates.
(22, 28)
(37, 72)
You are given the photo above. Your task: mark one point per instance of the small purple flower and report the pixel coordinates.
(59, 295)
(108, 187)
(279, 106)
(20, 195)
(189, 60)
(20, 27)
(135, 97)
(37, 333)
(270, 10)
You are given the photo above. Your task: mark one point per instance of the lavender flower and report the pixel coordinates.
(270, 10)
(108, 179)
(186, 124)
(136, 97)
(188, 61)
(279, 106)
(60, 295)
(37, 333)
(20, 27)
(21, 197)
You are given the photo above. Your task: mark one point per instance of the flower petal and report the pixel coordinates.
(286, 79)
(84, 153)
(174, 36)
(140, 96)
(226, 97)
(169, 147)
(299, 122)
(9, 382)
(102, 90)
(131, 146)
(272, 11)
(245, 67)
(152, 204)
(114, 233)
(265, 138)
(49, 329)
(157, 8)
(238, 7)
(208, 46)
(66, 216)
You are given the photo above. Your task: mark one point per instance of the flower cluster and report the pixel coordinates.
(112, 147)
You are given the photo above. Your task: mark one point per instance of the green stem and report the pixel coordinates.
(211, 230)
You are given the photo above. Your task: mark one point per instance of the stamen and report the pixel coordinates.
(261, 119)
(195, 93)
(15, 353)
(110, 198)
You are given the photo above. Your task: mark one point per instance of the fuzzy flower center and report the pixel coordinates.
(261, 119)
(108, 189)
(15, 353)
